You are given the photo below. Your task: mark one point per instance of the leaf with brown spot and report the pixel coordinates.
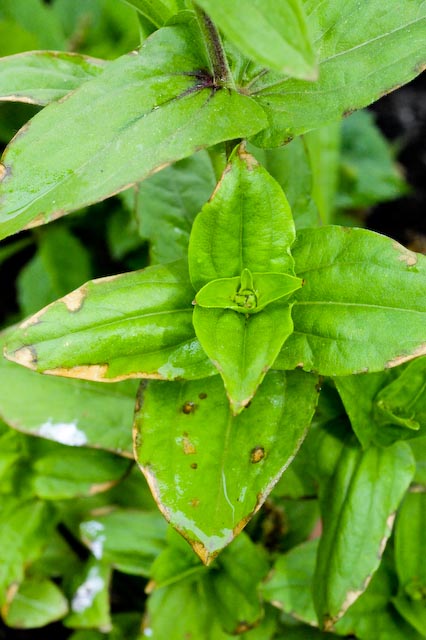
(226, 487)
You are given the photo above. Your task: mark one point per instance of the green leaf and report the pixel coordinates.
(41, 77)
(247, 224)
(275, 35)
(26, 527)
(61, 264)
(373, 617)
(242, 347)
(403, 401)
(289, 583)
(35, 604)
(89, 601)
(368, 172)
(167, 203)
(358, 506)
(62, 472)
(127, 539)
(207, 603)
(323, 146)
(79, 413)
(133, 325)
(245, 228)
(209, 479)
(418, 447)
(290, 166)
(364, 52)
(38, 19)
(249, 293)
(362, 307)
(131, 121)
(157, 11)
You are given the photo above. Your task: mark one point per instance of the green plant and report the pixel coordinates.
(248, 307)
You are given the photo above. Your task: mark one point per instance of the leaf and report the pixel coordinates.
(410, 560)
(26, 527)
(41, 77)
(373, 617)
(89, 602)
(368, 172)
(157, 11)
(249, 293)
(35, 604)
(358, 506)
(167, 203)
(274, 35)
(242, 348)
(133, 325)
(144, 119)
(246, 224)
(61, 472)
(291, 168)
(61, 264)
(289, 584)
(346, 323)
(364, 52)
(78, 413)
(323, 146)
(210, 478)
(128, 539)
(206, 603)
(245, 227)
(403, 401)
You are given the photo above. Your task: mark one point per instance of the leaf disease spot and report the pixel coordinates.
(189, 407)
(202, 396)
(3, 171)
(257, 454)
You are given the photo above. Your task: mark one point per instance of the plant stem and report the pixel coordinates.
(221, 72)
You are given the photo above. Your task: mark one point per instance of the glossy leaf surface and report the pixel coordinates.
(247, 224)
(209, 478)
(41, 77)
(131, 121)
(243, 348)
(246, 228)
(346, 323)
(275, 35)
(80, 413)
(35, 604)
(128, 539)
(358, 504)
(133, 325)
(364, 52)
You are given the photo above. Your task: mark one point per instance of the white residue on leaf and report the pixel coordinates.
(94, 531)
(87, 592)
(63, 432)
(170, 372)
(148, 633)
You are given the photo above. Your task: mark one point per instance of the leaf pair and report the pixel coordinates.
(240, 264)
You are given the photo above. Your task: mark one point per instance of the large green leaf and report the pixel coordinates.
(133, 325)
(246, 228)
(41, 77)
(273, 34)
(210, 477)
(144, 112)
(128, 539)
(358, 505)
(79, 413)
(363, 304)
(365, 50)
